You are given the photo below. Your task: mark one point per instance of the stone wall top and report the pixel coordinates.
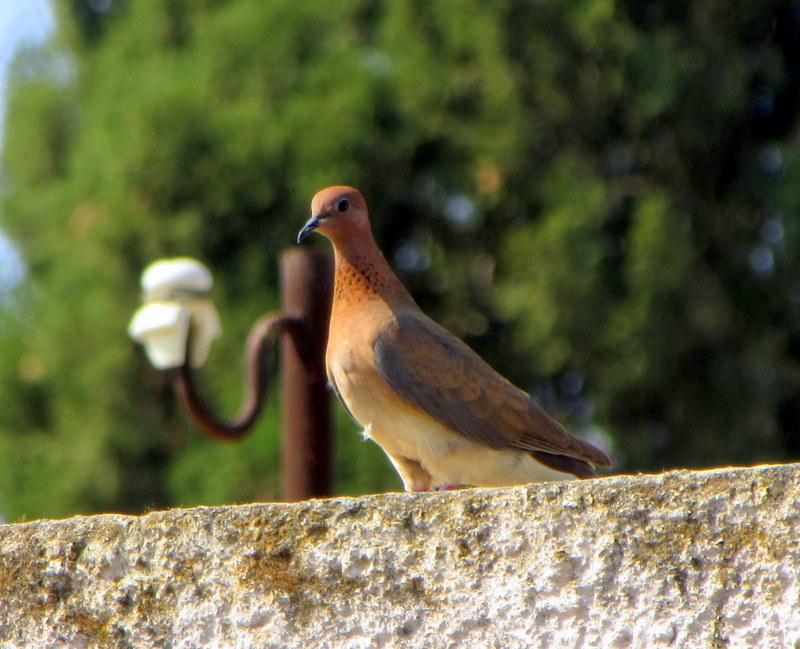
(681, 559)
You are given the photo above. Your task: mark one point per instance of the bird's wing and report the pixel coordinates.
(436, 372)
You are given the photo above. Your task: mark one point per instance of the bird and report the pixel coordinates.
(442, 415)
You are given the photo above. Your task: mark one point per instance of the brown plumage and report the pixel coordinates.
(441, 414)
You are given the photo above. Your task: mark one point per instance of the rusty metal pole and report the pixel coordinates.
(307, 446)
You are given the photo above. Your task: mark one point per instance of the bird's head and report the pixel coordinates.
(336, 212)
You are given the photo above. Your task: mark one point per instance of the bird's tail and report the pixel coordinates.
(566, 464)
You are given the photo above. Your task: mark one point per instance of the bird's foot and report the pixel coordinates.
(447, 487)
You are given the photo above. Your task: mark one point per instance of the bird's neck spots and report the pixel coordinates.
(357, 280)
(367, 277)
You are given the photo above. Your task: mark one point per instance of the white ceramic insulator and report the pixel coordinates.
(181, 273)
(178, 293)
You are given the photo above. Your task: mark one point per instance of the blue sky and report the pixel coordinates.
(22, 22)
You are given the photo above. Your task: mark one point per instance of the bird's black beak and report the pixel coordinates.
(309, 227)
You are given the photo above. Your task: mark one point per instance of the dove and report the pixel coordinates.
(441, 414)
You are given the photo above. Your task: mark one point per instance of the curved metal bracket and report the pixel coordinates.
(262, 337)
(178, 322)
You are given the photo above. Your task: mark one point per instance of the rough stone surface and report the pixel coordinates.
(684, 559)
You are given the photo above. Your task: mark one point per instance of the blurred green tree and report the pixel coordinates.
(600, 197)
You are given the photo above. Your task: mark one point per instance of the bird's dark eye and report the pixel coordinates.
(343, 205)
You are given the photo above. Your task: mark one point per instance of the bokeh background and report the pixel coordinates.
(601, 197)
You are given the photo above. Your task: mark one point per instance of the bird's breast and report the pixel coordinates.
(398, 427)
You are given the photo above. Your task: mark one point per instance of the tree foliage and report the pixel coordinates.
(600, 197)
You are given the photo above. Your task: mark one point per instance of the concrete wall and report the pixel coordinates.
(685, 559)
